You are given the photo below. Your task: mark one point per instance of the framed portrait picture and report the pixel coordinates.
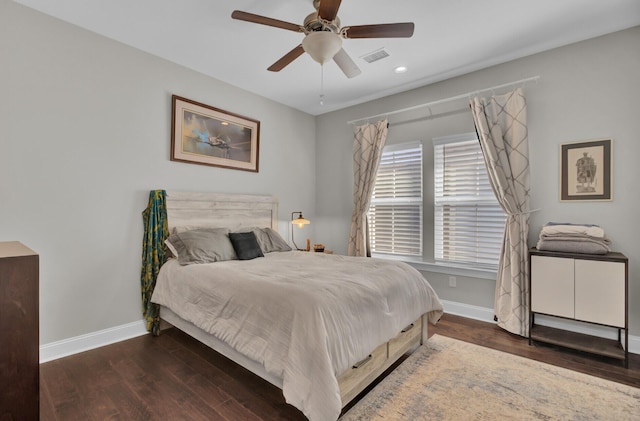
(585, 170)
(202, 134)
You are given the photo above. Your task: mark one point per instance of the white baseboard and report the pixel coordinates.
(486, 315)
(467, 310)
(75, 345)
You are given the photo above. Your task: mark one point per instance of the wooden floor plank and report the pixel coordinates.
(247, 389)
(176, 377)
(130, 406)
(134, 382)
(92, 389)
(65, 399)
(162, 385)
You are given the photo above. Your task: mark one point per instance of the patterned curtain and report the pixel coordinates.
(501, 123)
(154, 255)
(369, 140)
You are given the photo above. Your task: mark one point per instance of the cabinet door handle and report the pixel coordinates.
(363, 362)
(408, 328)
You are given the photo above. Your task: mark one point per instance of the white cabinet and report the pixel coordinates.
(600, 292)
(586, 288)
(552, 286)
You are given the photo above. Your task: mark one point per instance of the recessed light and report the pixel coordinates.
(400, 69)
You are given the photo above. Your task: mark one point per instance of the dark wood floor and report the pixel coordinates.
(174, 377)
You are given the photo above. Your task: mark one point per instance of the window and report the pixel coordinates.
(395, 213)
(468, 221)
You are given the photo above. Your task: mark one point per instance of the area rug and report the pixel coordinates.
(447, 379)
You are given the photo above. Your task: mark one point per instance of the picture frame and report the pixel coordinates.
(585, 171)
(206, 135)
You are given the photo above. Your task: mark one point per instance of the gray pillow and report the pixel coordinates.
(270, 241)
(205, 245)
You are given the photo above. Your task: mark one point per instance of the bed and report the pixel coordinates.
(320, 327)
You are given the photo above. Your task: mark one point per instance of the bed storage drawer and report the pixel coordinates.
(406, 339)
(363, 371)
(354, 380)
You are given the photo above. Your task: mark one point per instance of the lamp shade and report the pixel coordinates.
(322, 45)
(300, 221)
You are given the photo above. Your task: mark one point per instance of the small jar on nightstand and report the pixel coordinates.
(319, 248)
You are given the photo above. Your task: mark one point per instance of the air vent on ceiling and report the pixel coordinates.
(375, 55)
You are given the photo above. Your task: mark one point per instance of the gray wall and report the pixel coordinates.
(85, 134)
(587, 90)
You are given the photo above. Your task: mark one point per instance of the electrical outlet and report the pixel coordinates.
(452, 281)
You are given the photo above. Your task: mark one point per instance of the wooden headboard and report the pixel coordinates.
(221, 210)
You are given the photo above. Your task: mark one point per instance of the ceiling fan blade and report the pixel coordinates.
(328, 9)
(344, 62)
(385, 30)
(263, 20)
(286, 59)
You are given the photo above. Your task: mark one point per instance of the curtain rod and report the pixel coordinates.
(453, 98)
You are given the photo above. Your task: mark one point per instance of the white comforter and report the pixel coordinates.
(306, 317)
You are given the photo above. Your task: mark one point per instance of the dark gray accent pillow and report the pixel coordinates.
(270, 240)
(204, 245)
(245, 245)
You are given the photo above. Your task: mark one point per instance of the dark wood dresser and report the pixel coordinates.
(19, 333)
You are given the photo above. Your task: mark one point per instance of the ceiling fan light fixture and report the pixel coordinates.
(322, 45)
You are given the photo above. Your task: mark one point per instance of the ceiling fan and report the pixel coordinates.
(323, 35)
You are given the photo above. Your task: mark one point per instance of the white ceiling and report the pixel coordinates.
(452, 37)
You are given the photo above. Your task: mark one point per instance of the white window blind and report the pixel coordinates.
(469, 222)
(395, 212)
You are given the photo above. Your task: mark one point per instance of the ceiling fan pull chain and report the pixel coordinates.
(321, 84)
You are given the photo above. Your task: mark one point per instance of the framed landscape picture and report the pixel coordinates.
(585, 170)
(202, 134)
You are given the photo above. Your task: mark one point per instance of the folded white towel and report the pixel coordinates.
(589, 230)
(573, 237)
